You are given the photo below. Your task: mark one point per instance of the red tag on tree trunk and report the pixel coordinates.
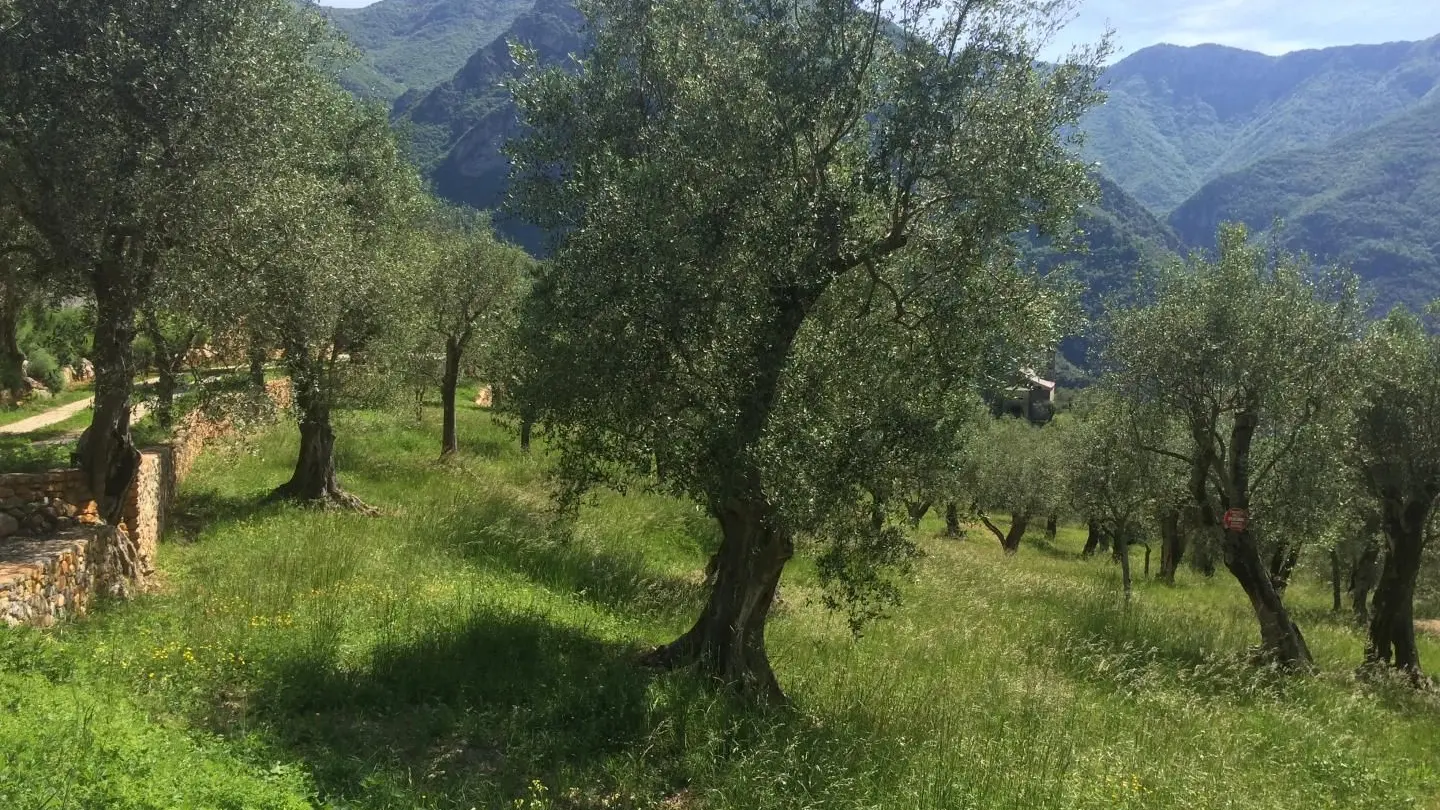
(1235, 520)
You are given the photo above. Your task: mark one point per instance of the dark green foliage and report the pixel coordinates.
(46, 369)
(65, 332)
(416, 44)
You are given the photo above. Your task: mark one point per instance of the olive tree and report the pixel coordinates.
(330, 270)
(1246, 351)
(472, 290)
(734, 187)
(172, 335)
(1396, 455)
(120, 122)
(1019, 469)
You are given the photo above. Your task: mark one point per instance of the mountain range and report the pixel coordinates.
(1336, 148)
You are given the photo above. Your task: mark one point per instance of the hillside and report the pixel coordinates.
(1370, 200)
(458, 651)
(1119, 237)
(1179, 117)
(1231, 127)
(416, 44)
(458, 128)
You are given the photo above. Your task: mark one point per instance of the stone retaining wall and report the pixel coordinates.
(49, 521)
(37, 504)
(44, 580)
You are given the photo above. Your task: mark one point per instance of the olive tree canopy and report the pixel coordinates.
(784, 234)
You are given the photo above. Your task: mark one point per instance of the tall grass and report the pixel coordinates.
(462, 650)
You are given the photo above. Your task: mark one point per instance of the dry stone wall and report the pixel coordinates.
(44, 580)
(37, 504)
(49, 526)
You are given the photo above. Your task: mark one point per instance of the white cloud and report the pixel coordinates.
(1268, 26)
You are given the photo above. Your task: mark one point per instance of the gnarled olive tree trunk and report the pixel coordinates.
(169, 363)
(728, 640)
(1172, 545)
(1282, 564)
(313, 479)
(1094, 535)
(917, 510)
(1009, 540)
(1121, 550)
(952, 520)
(12, 360)
(1280, 638)
(1362, 581)
(1392, 625)
(107, 453)
(1335, 603)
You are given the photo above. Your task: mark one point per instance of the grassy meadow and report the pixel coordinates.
(461, 651)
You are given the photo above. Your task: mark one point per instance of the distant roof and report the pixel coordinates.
(1035, 379)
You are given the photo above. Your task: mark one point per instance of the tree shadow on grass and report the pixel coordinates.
(1104, 642)
(1048, 549)
(491, 530)
(472, 713)
(477, 713)
(194, 512)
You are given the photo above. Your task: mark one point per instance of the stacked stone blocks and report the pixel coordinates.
(49, 522)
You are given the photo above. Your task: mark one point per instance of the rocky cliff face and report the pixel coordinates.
(459, 128)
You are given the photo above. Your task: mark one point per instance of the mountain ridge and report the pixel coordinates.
(1220, 132)
(1178, 117)
(410, 45)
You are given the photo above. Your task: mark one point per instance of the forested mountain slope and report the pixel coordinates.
(1118, 239)
(1178, 117)
(417, 44)
(1370, 200)
(1339, 142)
(458, 128)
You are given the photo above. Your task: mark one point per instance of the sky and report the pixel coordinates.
(1268, 26)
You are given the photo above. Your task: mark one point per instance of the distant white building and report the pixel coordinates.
(1033, 398)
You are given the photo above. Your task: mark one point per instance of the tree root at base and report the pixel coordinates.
(332, 498)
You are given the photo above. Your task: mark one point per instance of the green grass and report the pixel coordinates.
(10, 414)
(45, 449)
(461, 651)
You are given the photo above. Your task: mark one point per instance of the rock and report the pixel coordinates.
(86, 371)
(485, 398)
(67, 377)
(36, 389)
(8, 525)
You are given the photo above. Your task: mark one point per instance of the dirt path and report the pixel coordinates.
(48, 418)
(55, 416)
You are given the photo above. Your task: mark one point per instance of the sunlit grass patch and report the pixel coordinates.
(464, 649)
